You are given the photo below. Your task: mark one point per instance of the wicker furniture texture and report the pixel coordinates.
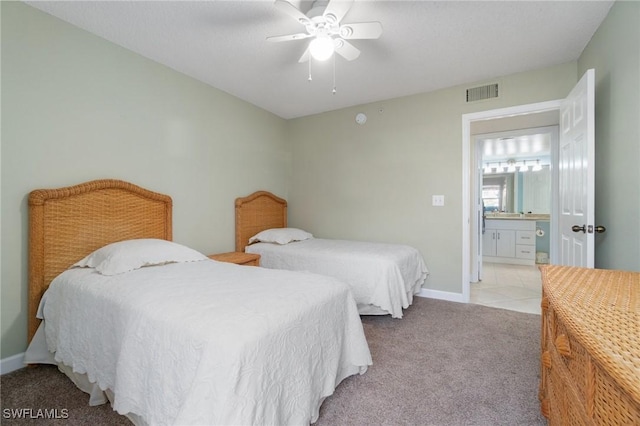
(239, 258)
(66, 224)
(590, 354)
(257, 212)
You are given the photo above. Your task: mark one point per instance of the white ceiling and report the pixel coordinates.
(425, 45)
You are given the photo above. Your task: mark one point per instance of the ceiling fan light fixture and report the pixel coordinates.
(321, 48)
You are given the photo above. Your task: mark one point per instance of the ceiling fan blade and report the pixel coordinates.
(289, 9)
(305, 56)
(336, 9)
(289, 37)
(346, 50)
(361, 30)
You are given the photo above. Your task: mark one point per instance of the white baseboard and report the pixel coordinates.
(12, 363)
(442, 295)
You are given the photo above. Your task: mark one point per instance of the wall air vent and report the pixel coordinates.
(482, 92)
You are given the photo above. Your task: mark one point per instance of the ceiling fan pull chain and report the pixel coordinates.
(334, 74)
(309, 80)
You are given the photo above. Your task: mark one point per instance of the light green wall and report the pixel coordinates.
(614, 53)
(375, 181)
(76, 107)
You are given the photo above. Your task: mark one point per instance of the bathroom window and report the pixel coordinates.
(492, 196)
(496, 193)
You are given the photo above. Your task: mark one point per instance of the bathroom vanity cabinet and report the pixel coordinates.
(509, 240)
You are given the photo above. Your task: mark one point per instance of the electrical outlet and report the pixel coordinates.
(437, 200)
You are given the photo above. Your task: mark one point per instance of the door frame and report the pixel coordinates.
(469, 212)
(476, 188)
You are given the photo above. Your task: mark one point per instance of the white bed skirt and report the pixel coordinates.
(37, 353)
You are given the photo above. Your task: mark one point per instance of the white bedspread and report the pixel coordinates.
(208, 342)
(383, 275)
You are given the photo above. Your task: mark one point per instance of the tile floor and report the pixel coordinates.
(513, 287)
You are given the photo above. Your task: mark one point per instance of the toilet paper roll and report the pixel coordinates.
(539, 232)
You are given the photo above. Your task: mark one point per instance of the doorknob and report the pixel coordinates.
(600, 229)
(576, 228)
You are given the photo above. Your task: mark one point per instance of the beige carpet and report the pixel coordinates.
(444, 363)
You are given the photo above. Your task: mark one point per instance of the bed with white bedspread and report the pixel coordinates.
(383, 277)
(180, 340)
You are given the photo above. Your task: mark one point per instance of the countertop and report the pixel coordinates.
(517, 216)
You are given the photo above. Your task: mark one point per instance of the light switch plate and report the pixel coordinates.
(437, 200)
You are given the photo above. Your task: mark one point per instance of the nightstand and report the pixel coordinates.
(239, 258)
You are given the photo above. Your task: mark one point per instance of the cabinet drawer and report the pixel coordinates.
(525, 251)
(526, 237)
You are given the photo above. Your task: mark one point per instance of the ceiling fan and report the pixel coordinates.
(323, 25)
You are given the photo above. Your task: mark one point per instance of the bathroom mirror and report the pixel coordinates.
(517, 192)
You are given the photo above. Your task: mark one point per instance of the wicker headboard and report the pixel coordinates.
(66, 224)
(257, 212)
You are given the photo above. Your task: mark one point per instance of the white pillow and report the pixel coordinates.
(125, 256)
(280, 236)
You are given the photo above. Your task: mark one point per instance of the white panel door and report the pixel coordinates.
(576, 174)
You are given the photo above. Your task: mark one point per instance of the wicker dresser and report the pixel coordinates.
(590, 360)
